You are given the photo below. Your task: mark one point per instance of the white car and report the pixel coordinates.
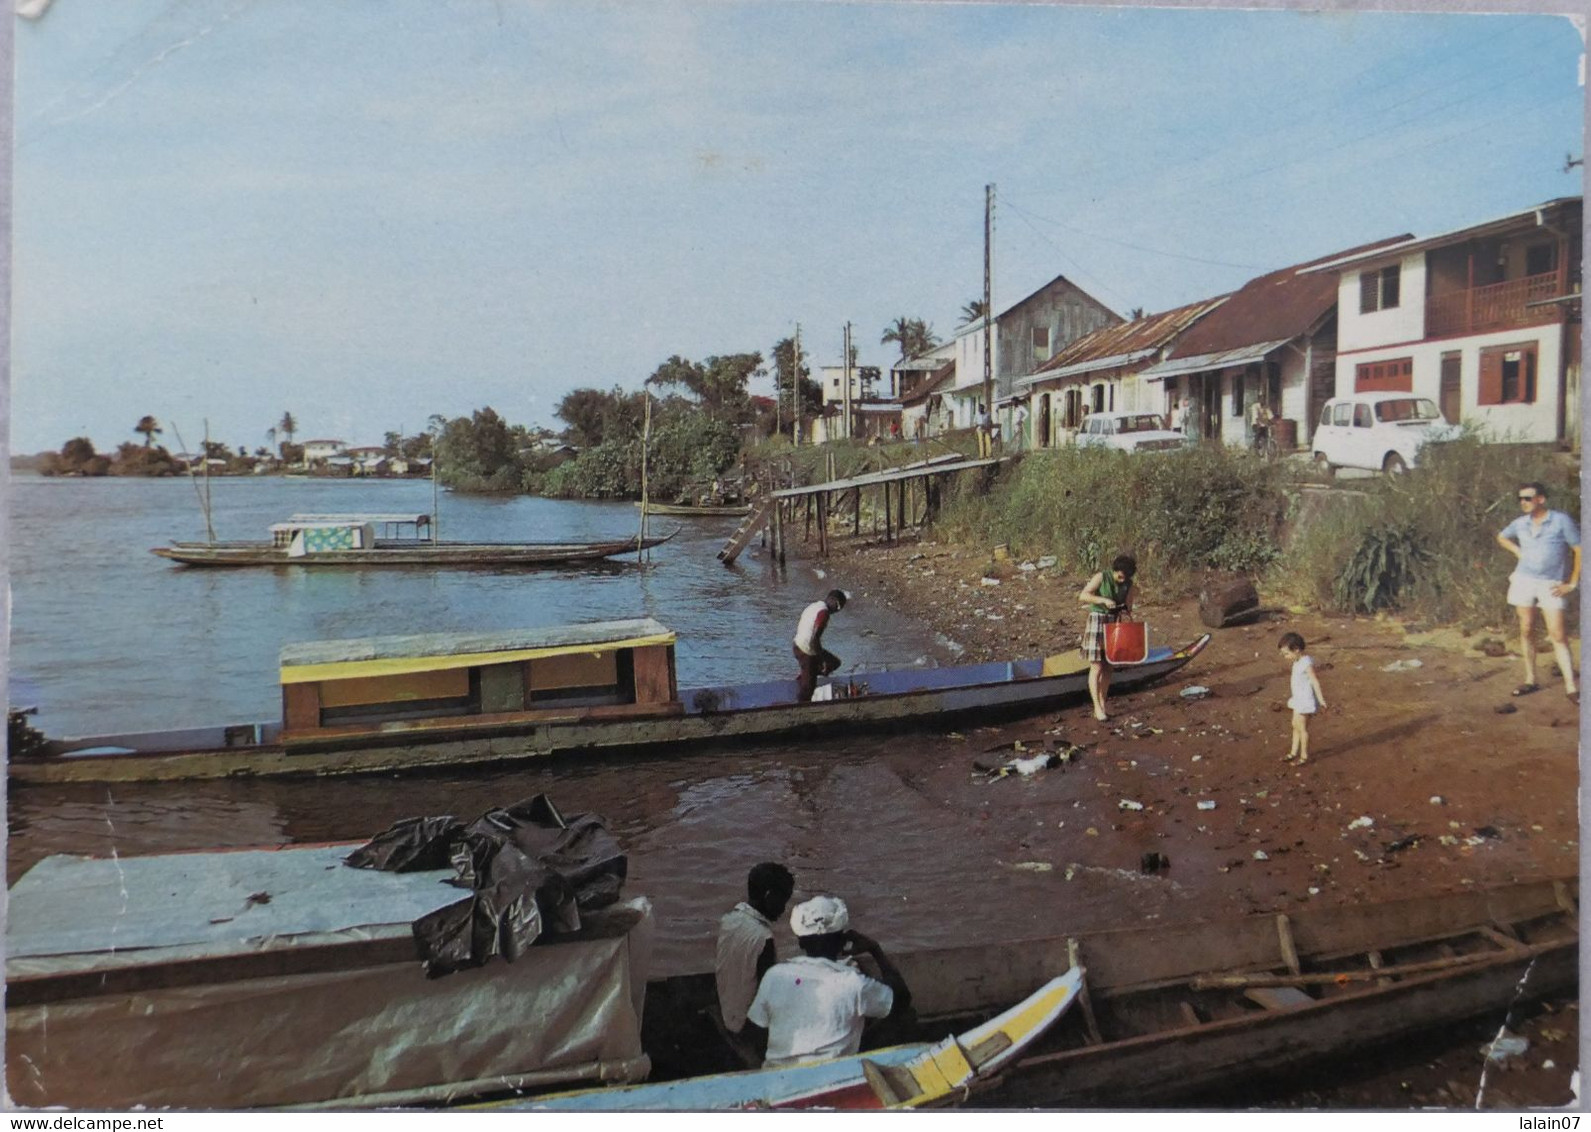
(1128, 432)
(1382, 432)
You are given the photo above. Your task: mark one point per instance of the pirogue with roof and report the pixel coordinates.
(444, 700)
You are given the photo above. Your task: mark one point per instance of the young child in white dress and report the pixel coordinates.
(1306, 698)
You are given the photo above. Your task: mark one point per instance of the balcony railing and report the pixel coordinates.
(1496, 306)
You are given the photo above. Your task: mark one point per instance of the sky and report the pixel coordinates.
(365, 213)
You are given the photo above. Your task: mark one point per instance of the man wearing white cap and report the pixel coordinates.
(815, 1006)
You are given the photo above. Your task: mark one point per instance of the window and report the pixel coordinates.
(1395, 375)
(1407, 409)
(1342, 414)
(1361, 416)
(1378, 290)
(1041, 342)
(1325, 416)
(1508, 375)
(1541, 259)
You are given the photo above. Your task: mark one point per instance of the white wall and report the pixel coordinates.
(1537, 421)
(1403, 323)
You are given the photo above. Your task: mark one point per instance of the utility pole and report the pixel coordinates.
(850, 431)
(795, 389)
(988, 309)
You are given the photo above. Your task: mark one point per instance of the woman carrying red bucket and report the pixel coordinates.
(1108, 597)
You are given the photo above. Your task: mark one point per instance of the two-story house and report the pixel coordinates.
(1484, 320)
(320, 451)
(1022, 337)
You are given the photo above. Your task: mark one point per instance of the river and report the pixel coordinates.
(107, 637)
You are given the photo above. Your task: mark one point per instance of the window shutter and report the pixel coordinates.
(1390, 278)
(1491, 378)
(1368, 291)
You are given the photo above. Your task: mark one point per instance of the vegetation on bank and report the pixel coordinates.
(1421, 545)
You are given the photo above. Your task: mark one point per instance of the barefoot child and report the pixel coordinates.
(1307, 698)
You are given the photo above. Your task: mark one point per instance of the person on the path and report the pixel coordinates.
(1019, 429)
(1178, 421)
(1108, 597)
(816, 1005)
(1547, 544)
(814, 659)
(1259, 419)
(746, 953)
(985, 433)
(1306, 697)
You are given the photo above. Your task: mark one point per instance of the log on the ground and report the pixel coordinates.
(1226, 597)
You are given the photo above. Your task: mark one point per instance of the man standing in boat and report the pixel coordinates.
(815, 1005)
(746, 952)
(814, 659)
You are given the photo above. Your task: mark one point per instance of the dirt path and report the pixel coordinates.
(1426, 775)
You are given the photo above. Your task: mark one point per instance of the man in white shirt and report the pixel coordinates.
(746, 952)
(814, 659)
(815, 1006)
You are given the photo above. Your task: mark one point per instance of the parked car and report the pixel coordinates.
(1382, 432)
(1128, 432)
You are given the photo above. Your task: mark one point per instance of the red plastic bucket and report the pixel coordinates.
(1126, 642)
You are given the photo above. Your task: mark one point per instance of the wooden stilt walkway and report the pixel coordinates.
(776, 510)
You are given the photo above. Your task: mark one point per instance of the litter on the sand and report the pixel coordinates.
(1402, 843)
(989, 581)
(1195, 692)
(1438, 800)
(1030, 765)
(1046, 562)
(1403, 665)
(1362, 823)
(1034, 866)
(1261, 855)
(1210, 805)
(1504, 1046)
(1129, 804)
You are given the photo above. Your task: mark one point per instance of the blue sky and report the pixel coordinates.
(365, 213)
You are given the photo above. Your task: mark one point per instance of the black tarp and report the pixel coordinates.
(528, 868)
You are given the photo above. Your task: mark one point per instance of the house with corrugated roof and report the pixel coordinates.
(1099, 372)
(1274, 339)
(1023, 336)
(1484, 320)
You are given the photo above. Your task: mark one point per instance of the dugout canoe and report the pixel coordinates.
(439, 701)
(937, 1074)
(1178, 1012)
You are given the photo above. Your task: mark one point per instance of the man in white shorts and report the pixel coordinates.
(1547, 544)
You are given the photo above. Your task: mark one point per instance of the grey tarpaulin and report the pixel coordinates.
(529, 870)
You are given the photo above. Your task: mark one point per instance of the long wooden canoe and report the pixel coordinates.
(461, 700)
(406, 552)
(917, 1075)
(1177, 1011)
(698, 510)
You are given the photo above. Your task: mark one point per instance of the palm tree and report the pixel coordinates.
(912, 335)
(149, 427)
(971, 311)
(287, 426)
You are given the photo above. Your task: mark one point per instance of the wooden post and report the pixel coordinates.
(856, 519)
(888, 534)
(823, 524)
(806, 535)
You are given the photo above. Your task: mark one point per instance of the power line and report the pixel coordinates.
(1127, 244)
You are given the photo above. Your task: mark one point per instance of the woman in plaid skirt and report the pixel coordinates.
(1108, 596)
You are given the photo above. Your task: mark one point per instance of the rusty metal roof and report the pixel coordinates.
(1123, 343)
(1276, 307)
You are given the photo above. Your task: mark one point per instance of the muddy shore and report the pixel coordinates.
(1427, 776)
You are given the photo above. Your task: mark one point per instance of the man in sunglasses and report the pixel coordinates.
(1547, 544)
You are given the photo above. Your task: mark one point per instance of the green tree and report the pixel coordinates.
(971, 311)
(595, 417)
(149, 427)
(719, 383)
(76, 458)
(912, 335)
(477, 453)
(784, 366)
(287, 426)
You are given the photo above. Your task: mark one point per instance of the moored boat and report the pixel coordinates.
(699, 510)
(1173, 1012)
(389, 704)
(279, 977)
(916, 1075)
(390, 540)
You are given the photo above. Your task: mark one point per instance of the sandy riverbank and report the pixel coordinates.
(1462, 784)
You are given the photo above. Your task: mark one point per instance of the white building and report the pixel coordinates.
(1484, 320)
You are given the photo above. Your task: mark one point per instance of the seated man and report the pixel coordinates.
(746, 952)
(814, 1006)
